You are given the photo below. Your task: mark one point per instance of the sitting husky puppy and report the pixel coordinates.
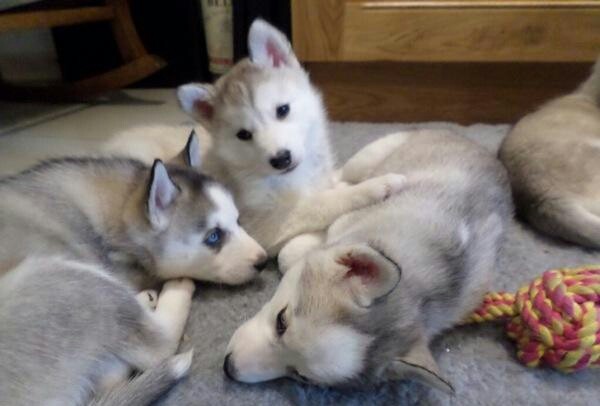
(365, 306)
(553, 161)
(268, 143)
(79, 238)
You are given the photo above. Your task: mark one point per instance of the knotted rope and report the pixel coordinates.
(555, 320)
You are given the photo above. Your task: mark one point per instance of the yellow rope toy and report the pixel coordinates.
(555, 320)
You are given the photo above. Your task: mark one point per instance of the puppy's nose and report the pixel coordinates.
(261, 264)
(228, 367)
(282, 159)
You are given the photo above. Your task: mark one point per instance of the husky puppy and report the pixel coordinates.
(553, 161)
(268, 143)
(364, 306)
(78, 238)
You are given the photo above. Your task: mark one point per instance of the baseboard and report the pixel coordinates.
(458, 92)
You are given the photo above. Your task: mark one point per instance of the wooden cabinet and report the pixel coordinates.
(482, 49)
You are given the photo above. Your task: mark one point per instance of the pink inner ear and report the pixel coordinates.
(204, 108)
(275, 53)
(363, 268)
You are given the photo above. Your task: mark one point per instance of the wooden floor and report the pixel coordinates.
(458, 92)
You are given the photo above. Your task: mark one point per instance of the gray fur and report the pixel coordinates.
(444, 231)
(451, 181)
(76, 246)
(62, 325)
(553, 160)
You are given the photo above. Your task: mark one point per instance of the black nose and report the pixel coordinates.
(259, 266)
(228, 368)
(282, 160)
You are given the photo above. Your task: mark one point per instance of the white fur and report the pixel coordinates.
(337, 353)
(275, 205)
(327, 355)
(233, 263)
(173, 307)
(397, 251)
(181, 363)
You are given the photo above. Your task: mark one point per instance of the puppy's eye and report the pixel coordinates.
(281, 323)
(213, 237)
(282, 111)
(244, 135)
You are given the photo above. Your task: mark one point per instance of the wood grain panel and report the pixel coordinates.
(53, 18)
(446, 30)
(463, 93)
(474, 3)
(316, 28)
(471, 34)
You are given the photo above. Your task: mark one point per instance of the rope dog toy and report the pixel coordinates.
(555, 320)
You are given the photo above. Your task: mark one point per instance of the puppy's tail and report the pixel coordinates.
(568, 220)
(150, 385)
(591, 86)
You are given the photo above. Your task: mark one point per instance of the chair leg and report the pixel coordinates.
(128, 40)
(138, 63)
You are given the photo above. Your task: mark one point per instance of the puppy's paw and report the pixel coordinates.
(382, 187)
(182, 284)
(148, 298)
(180, 364)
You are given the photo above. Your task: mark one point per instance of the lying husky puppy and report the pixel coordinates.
(365, 305)
(78, 238)
(268, 143)
(553, 161)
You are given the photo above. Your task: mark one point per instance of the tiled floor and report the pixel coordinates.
(30, 132)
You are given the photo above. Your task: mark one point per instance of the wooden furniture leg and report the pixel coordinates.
(138, 63)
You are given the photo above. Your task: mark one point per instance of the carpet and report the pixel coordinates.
(478, 360)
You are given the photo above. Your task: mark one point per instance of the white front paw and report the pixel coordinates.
(148, 298)
(387, 185)
(182, 284)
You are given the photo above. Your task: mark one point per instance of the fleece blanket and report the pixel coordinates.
(479, 360)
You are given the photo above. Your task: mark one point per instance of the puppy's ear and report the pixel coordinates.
(418, 364)
(190, 155)
(366, 274)
(197, 100)
(269, 47)
(162, 192)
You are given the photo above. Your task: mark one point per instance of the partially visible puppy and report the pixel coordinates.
(553, 160)
(269, 144)
(78, 238)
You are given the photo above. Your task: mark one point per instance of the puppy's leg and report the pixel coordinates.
(318, 212)
(118, 371)
(296, 248)
(173, 308)
(148, 298)
(360, 166)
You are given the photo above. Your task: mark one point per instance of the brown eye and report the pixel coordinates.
(281, 324)
(244, 135)
(282, 111)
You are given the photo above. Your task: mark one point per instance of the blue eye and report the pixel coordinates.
(213, 237)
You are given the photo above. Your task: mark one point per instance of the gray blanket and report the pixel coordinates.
(479, 360)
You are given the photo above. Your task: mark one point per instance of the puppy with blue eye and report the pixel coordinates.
(264, 135)
(79, 237)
